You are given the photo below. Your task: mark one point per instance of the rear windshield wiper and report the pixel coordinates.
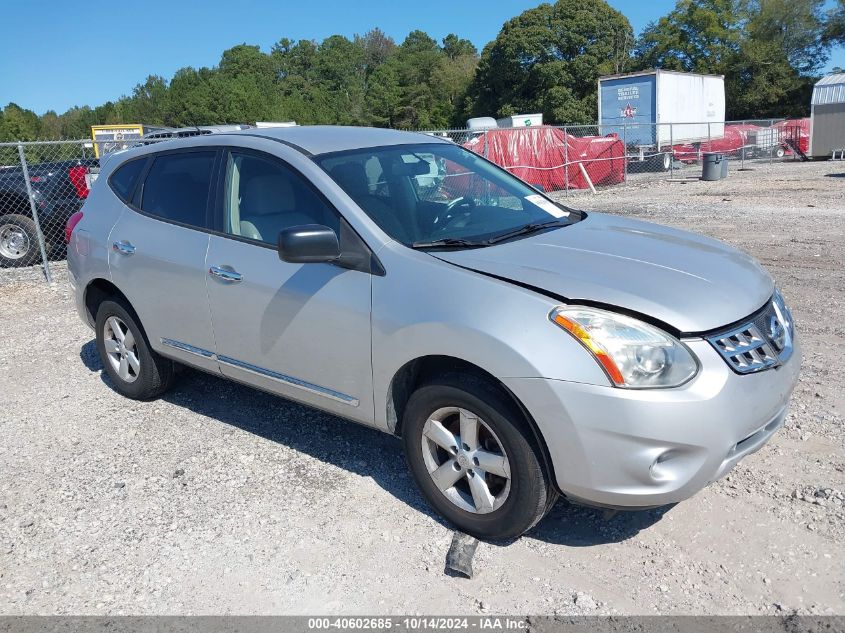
(447, 242)
(531, 227)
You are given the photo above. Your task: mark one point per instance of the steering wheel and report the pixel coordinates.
(462, 201)
(448, 217)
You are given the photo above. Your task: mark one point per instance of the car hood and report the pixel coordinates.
(692, 283)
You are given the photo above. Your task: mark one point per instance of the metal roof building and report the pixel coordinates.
(828, 116)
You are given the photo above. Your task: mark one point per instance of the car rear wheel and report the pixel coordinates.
(18, 241)
(135, 369)
(474, 459)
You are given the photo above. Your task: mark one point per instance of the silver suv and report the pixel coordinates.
(521, 349)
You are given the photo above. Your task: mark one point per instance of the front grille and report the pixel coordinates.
(763, 342)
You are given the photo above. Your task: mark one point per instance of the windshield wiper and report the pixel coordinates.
(447, 241)
(531, 227)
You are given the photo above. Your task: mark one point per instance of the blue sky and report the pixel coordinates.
(95, 51)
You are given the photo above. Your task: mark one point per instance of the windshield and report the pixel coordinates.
(440, 194)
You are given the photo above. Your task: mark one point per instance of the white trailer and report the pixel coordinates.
(521, 120)
(637, 107)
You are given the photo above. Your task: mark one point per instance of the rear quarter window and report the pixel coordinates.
(177, 186)
(125, 177)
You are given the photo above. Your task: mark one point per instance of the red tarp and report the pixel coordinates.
(736, 136)
(796, 130)
(538, 155)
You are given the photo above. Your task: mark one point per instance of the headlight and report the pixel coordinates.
(784, 339)
(634, 354)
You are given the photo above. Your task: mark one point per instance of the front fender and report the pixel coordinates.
(424, 306)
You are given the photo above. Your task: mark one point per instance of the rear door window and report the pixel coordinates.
(125, 177)
(177, 187)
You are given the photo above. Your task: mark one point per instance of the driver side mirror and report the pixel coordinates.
(308, 244)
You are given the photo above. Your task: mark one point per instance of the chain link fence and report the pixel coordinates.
(43, 183)
(589, 157)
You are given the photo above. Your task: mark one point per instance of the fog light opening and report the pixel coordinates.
(660, 470)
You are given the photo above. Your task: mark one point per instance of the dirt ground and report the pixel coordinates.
(222, 499)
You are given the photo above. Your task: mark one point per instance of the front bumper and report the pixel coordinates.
(643, 448)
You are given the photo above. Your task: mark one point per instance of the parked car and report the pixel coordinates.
(522, 350)
(58, 190)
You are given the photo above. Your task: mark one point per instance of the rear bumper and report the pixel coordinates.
(643, 448)
(76, 285)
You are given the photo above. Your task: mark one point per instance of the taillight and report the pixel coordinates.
(77, 178)
(72, 221)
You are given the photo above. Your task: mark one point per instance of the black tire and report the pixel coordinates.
(531, 493)
(21, 249)
(155, 375)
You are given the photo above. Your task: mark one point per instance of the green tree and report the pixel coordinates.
(76, 122)
(384, 95)
(246, 60)
(50, 126)
(549, 59)
(546, 59)
(243, 85)
(191, 98)
(761, 84)
(701, 36)
(455, 47)
(19, 124)
(294, 58)
(418, 56)
(376, 47)
(768, 50)
(453, 78)
(782, 50)
(148, 103)
(340, 74)
(794, 28)
(835, 26)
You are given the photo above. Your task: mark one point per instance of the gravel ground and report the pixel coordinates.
(221, 499)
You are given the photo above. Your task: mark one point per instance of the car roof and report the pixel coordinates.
(324, 139)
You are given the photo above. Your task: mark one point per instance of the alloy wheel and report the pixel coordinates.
(466, 460)
(121, 349)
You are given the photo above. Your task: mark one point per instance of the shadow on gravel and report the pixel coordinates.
(578, 526)
(91, 359)
(364, 451)
(842, 175)
(323, 436)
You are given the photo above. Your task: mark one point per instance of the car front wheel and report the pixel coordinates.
(474, 459)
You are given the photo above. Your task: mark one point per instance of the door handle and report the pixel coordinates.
(123, 247)
(225, 274)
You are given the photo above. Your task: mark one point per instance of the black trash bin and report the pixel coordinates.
(711, 168)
